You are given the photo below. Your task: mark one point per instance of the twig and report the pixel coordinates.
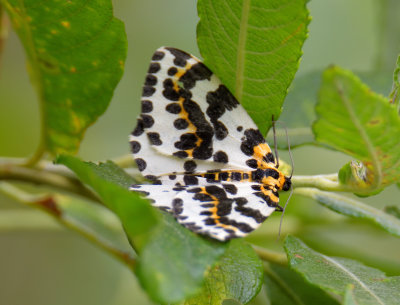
(50, 204)
(19, 173)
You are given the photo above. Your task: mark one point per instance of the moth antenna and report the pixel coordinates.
(283, 212)
(288, 142)
(275, 145)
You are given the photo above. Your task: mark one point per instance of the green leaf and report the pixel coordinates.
(254, 47)
(76, 52)
(362, 124)
(286, 287)
(299, 109)
(354, 208)
(172, 260)
(135, 213)
(371, 286)
(238, 275)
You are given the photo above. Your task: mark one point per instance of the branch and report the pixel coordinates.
(12, 172)
(95, 223)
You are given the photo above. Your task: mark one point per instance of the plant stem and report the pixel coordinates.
(323, 182)
(271, 256)
(46, 178)
(51, 205)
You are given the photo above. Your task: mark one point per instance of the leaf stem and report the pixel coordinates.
(323, 182)
(271, 256)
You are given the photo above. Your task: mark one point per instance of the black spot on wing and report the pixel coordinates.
(181, 124)
(190, 180)
(180, 154)
(219, 101)
(158, 55)
(141, 164)
(154, 67)
(257, 175)
(252, 137)
(220, 130)
(177, 206)
(148, 91)
(252, 163)
(266, 198)
(187, 141)
(224, 176)
(221, 157)
(230, 188)
(180, 56)
(139, 129)
(151, 80)
(249, 212)
(189, 166)
(154, 179)
(147, 106)
(236, 176)
(196, 73)
(154, 138)
(169, 92)
(172, 71)
(270, 172)
(192, 226)
(173, 108)
(135, 146)
(244, 227)
(147, 120)
(269, 158)
(211, 177)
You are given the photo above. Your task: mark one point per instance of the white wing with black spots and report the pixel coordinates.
(221, 211)
(210, 165)
(189, 114)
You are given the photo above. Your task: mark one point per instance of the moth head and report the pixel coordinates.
(287, 184)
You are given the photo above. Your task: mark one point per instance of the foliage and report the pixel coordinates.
(254, 47)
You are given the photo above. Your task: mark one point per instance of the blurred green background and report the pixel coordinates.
(43, 263)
